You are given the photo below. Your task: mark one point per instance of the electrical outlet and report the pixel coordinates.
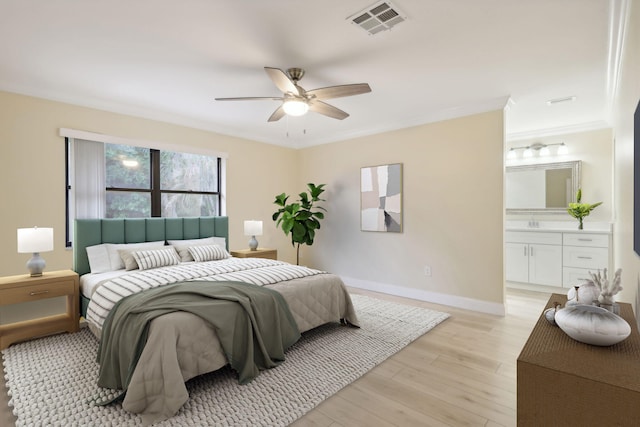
(427, 270)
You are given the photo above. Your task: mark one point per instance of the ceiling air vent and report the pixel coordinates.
(378, 17)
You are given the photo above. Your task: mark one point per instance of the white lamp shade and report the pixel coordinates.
(253, 228)
(563, 149)
(32, 240)
(294, 107)
(544, 151)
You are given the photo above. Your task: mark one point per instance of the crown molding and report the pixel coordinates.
(563, 130)
(499, 103)
(619, 11)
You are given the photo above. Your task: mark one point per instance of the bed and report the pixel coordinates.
(181, 345)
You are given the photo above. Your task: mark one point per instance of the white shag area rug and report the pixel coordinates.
(52, 380)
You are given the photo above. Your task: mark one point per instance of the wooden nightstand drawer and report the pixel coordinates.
(20, 294)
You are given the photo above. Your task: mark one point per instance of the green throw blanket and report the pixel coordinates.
(253, 323)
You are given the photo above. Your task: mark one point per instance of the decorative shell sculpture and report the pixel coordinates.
(608, 288)
(592, 325)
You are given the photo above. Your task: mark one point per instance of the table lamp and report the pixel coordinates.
(253, 228)
(35, 240)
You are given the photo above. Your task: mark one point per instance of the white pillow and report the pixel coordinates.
(202, 253)
(182, 246)
(155, 258)
(98, 258)
(116, 262)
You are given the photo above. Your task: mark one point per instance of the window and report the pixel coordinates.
(123, 181)
(127, 181)
(143, 182)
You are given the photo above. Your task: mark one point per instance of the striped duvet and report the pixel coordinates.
(258, 271)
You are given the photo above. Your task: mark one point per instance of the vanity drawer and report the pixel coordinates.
(535, 237)
(586, 239)
(585, 257)
(572, 276)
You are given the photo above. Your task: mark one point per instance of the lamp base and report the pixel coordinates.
(253, 243)
(36, 265)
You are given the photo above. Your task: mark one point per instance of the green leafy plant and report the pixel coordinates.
(298, 218)
(580, 210)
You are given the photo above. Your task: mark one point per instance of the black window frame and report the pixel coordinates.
(155, 190)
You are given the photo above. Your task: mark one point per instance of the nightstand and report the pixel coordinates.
(24, 288)
(258, 253)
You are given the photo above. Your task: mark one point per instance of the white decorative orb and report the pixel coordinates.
(592, 325)
(586, 293)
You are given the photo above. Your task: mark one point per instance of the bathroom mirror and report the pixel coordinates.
(541, 188)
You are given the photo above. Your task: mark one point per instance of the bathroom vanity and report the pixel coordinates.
(555, 253)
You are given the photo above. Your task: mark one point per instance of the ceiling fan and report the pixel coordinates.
(296, 101)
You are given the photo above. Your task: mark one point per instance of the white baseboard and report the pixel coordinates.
(433, 297)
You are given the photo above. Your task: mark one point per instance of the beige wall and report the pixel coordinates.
(628, 95)
(595, 150)
(447, 208)
(453, 212)
(32, 172)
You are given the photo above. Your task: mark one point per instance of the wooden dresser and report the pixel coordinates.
(565, 382)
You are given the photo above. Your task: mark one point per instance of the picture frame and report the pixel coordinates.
(381, 198)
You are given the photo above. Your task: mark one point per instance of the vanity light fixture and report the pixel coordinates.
(527, 154)
(563, 150)
(542, 149)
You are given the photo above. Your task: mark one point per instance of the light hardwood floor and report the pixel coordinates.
(463, 372)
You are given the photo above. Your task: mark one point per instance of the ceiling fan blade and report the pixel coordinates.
(281, 80)
(252, 98)
(339, 91)
(327, 110)
(277, 114)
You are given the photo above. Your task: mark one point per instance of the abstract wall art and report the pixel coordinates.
(381, 198)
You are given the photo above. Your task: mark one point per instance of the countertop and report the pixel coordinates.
(559, 226)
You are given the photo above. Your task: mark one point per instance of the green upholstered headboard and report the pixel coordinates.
(89, 232)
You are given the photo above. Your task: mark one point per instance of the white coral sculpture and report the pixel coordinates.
(607, 288)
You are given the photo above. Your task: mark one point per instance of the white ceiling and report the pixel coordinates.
(169, 59)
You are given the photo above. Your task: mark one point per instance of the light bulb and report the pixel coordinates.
(528, 153)
(511, 154)
(295, 107)
(563, 149)
(544, 151)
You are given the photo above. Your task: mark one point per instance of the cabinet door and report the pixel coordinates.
(517, 262)
(545, 265)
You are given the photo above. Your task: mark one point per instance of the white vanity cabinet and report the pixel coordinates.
(534, 257)
(555, 257)
(583, 253)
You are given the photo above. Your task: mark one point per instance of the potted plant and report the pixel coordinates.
(580, 210)
(298, 218)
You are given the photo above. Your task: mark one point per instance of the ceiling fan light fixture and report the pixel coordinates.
(295, 107)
